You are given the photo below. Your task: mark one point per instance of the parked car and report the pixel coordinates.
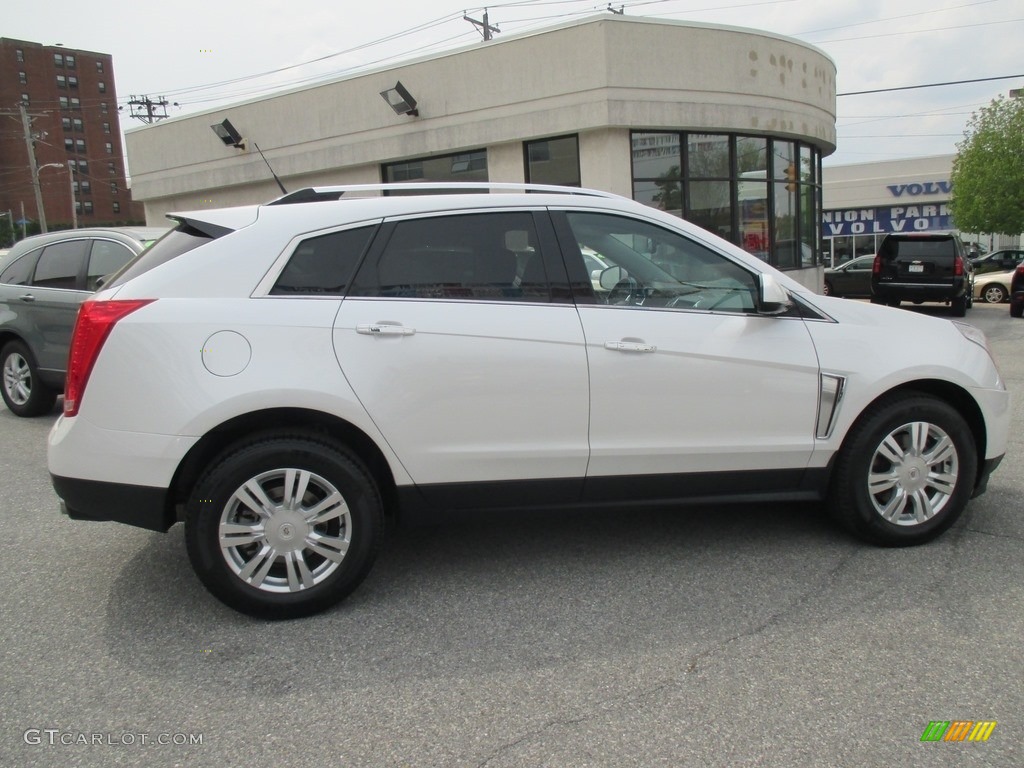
(852, 279)
(1017, 292)
(286, 377)
(998, 261)
(42, 281)
(993, 287)
(919, 268)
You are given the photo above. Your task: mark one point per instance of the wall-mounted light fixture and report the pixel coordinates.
(227, 133)
(400, 100)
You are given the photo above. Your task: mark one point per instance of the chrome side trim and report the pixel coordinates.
(831, 388)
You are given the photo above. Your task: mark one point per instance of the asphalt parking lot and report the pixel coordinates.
(728, 636)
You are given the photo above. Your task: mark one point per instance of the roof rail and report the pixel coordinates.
(317, 194)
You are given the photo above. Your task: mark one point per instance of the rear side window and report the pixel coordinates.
(20, 272)
(59, 265)
(916, 249)
(323, 266)
(487, 257)
(106, 257)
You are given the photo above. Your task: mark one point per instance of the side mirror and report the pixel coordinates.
(612, 276)
(772, 298)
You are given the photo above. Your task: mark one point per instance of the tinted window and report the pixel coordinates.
(491, 256)
(180, 240)
(658, 268)
(60, 264)
(106, 257)
(323, 265)
(20, 271)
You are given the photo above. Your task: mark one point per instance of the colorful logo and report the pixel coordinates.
(958, 730)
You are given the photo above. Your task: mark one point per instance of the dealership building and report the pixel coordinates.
(724, 126)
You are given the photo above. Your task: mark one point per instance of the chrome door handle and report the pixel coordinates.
(384, 329)
(629, 346)
(27, 297)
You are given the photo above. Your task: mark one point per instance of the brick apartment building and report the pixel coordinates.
(72, 105)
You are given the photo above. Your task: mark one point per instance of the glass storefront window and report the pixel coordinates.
(656, 156)
(710, 206)
(762, 194)
(465, 166)
(553, 161)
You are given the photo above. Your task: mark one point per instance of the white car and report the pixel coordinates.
(285, 377)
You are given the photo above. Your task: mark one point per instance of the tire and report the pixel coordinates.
(827, 289)
(908, 504)
(876, 300)
(1017, 310)
(994, 294)
(893, 303)
(958, 306)
(23, 391)
(270, 558)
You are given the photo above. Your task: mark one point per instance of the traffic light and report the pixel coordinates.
(791, 177)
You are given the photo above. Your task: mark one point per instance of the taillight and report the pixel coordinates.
(958, 266)
(95, 321)
(876, 265)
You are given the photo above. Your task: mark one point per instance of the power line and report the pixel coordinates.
(929, 85)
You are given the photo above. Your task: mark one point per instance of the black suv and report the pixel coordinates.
(1017, 293)
(923, 268)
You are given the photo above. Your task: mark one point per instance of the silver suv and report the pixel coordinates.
(43, 279)
(285, 378)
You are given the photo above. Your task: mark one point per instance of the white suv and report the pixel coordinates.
(287, 377)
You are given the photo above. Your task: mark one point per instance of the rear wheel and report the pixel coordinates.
(827, 289)
(958, 306)
(994, 294)
(905, 472)
(284, 526)
(23, 392)
(1017, 310)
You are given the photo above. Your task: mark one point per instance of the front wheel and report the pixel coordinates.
(284, 526)
(23, 392)
(905, 471)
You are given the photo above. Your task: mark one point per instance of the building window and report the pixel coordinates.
(116, 206)
(83, 166)
(113, 187)
(23, 78)
(102, 86)
(112, 168)
(77, 122)
(466, 166)
(76, 103)
(99, 66)
(553, 161)
(65, 123)
(106, 127)
(58, 59)
(62, 82)
(87, 207)
(80, 145)
(760, 193)
(109, 147)
(19, 54)
(69, 145)
(24, 99)
(63, 102)
(72, 81)
(69, 60)
(103, 107)
(74, 187)
(86, 187)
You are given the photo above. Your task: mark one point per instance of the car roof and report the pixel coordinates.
(136, 234)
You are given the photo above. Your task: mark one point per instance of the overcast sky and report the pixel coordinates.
(205, 54)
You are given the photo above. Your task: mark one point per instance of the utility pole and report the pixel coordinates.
(484, 26)
(26, 127)
(74, 202)
(24, 234)
(148, 109)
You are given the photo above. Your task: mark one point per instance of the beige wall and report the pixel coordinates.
(597, 78)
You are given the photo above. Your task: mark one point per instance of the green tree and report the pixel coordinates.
(988, 171)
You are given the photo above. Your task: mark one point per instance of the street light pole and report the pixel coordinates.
(39, 194)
